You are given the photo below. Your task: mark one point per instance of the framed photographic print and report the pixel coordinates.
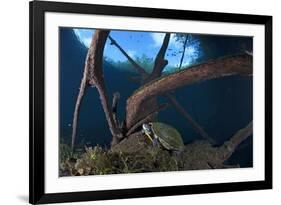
(140, 102)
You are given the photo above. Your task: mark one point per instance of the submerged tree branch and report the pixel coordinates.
(187, 116)
(82, 90)
(160, 61)
(136, 66)
(233, 65)
(116, 97)
(97, 79)
(93, 76)
(144, 120)
(147, 107)
(170, 97)
(227, 149)
(183, 51)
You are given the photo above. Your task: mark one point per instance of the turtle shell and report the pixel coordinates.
(168, 136)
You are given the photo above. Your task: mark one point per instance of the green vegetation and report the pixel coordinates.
(136, 154)
(98, 161)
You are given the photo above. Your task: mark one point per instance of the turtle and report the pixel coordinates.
(165, 135)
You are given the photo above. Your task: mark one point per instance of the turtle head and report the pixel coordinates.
(146, 129)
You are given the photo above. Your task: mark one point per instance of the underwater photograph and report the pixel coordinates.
(144, 101)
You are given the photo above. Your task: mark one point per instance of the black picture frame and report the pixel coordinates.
(37, 193)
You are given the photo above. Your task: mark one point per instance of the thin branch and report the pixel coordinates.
(183, 52)
(116, 97)
(233, 65)
(188, 117)
(160, 61)
(81, 94)
(136, 66)
(249, 52)
(227, 149)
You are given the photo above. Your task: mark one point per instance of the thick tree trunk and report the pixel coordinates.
(233, 65)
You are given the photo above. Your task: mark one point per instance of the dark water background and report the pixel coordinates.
(220, 106)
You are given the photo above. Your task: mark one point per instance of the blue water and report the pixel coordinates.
(220, 106)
